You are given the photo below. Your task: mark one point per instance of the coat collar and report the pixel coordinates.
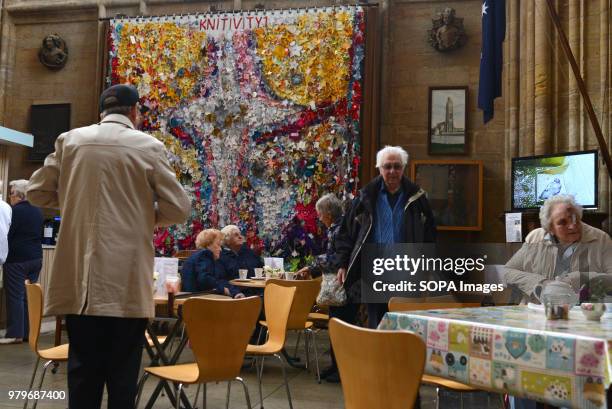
(589, 235)
(118, 118)
(371, 190)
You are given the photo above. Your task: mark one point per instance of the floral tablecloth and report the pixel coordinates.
(517, 351)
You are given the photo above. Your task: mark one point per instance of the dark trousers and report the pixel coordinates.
(104, 351)
(346, 313)
(15, 275)
(375, 314)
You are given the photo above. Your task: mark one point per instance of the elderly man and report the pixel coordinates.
(24, 261)
(236, 255)
(390, 209)
(563, 249)
(113, 184)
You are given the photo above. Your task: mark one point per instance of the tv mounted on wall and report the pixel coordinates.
(536, 178)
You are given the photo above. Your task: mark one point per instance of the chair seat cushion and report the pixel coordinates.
(318, 316)
(184, 373)
(58, 353)
(307, 325)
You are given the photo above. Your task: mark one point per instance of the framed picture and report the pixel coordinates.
(447, 120)
(47, 122)
(454, 191)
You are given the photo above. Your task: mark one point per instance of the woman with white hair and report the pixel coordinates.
(564, 250)
(24, 260)
(236, 254)
(330, 211)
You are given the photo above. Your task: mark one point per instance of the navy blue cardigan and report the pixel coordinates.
(201, 272)
(24, 236)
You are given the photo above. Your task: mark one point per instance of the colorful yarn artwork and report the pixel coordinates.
(260, 113)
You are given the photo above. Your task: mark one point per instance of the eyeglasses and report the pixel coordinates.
(394, 166)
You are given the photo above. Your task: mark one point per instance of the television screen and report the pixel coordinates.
(536, 178)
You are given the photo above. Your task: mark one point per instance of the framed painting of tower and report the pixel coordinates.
(447, 120)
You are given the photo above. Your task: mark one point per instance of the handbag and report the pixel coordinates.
(332, 293)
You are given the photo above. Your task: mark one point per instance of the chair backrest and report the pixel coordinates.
(34, 296)
(219, 331)
(306, 292)
(379, 369)
(432, 303)
(277, 304)
(184, 254)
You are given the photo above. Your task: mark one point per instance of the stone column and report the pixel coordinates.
(512, 88)
(574, 99)
(543, 83)
(605, 117)
(526, 115)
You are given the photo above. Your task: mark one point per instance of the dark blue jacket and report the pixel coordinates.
(24, 236)
(198, 273)
(245, 259)
(201, 272)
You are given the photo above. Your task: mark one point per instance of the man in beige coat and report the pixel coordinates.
(113, 185)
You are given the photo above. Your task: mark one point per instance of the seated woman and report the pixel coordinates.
(564, 250)
(202, 270)
(236, 255)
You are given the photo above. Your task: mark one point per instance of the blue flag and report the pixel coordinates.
(491, 55)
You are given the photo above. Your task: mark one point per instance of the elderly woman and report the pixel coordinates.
(24, 260)
(563, 249)
(202, 271)
(236, 255)
(329, 210)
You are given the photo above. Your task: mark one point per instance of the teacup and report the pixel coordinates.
(593, 311)
(173, 283)
(243, 273)
(259, 272)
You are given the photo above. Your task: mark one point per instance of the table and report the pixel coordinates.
(249, 283)
(517, 351)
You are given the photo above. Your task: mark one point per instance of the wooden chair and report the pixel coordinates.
(277, 304)
(378, 369)
(59, 353)
(405, 304)
(184, 254)
(219, 331)
(306, 292)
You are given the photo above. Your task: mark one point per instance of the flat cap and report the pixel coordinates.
(118, 95)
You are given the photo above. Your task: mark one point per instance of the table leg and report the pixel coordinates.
(162, 384)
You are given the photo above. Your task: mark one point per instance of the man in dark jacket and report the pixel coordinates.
(24, 260)
(390, 209)
(236, 255)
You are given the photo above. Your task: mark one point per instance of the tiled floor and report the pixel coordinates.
(16, 364)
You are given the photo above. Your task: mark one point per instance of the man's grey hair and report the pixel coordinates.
(19, 187)
(227, 231)
(330, 205)
(549, 204)
(397, 150)
(122, 110)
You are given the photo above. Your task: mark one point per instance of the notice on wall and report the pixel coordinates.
(513, 228)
